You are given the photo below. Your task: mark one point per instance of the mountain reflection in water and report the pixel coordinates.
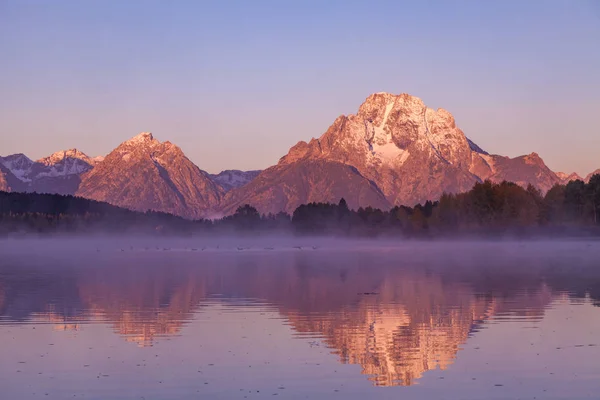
(395, 315)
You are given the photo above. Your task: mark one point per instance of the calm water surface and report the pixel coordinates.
(133, 320)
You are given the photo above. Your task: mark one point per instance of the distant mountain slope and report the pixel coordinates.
(521, 170)
(589, 176)
(8, 181)
(19, 164)
(286, 186)
(58, 173)
(233, 178)
(566, 178)
(145, 174)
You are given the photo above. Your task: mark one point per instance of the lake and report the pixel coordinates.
(299, 318)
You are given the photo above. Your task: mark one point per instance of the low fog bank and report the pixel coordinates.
(492, 210)
(99, 250)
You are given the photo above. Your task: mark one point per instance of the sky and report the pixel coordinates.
(236, 83)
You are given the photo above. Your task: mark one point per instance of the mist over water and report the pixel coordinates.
(243, 317)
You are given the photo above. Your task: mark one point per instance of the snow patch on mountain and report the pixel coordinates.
(142, 137)
(67, 167)
(19, 165)
(380, 141)
(60, 164)
(389, 153)
(143, 142)
(435, 141)
(388, 110)
(233, 179)
(476, 148)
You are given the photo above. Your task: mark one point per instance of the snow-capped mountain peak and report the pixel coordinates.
(19, 164)
(59, 156)
(143, 142)
(144, 145)
(60, 164)
(142, 138)
(394, 150)
(140, 142)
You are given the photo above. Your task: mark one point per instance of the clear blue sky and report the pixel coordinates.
(236, 83)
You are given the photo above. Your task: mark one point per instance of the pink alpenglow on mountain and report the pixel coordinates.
(145, 174)
(393, 151)
(566, 178)
(589, 176)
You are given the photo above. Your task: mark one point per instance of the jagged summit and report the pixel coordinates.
(143, 173)
(142, 137)
(388, 129)
(392, 96)
(145, 141)
(61, 155)
(57, 173)
(566, 178)
(142, 140)
(395, 146)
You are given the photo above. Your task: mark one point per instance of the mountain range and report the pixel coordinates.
(58, 173)
(395, 150)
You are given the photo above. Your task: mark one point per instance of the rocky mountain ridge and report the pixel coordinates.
(566, 178)
(398, 147)
(58, 173)
(395, 150)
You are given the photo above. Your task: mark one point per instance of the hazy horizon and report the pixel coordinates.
(235, 85)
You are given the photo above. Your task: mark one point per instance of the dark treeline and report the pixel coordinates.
(52, 213)
(488, 209)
